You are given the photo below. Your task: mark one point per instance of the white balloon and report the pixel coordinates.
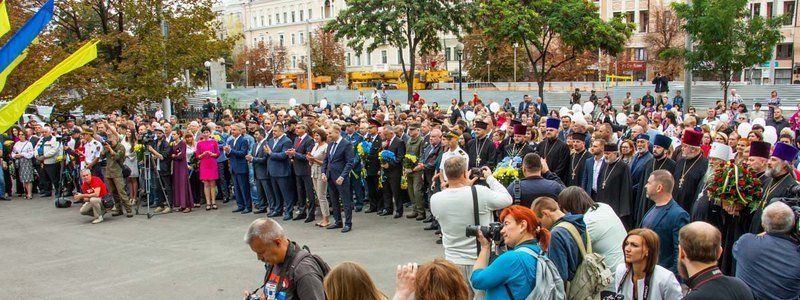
(723, 117)
(759, 121)
(744, 129)
(346, 111)
(323, 103)
(577, 115)
(292, 102)
(588, 107)
(770, 135)
(622, 118)
(563, 111)
(576, 108)
(470, 115)
(494, 107)
(405, 107)
(292, 113)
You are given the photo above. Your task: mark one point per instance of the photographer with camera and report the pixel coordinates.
(770, 262)
(47, 151)
(161, 170)
(92, 192)
(114, 153)
(292, 272)
(512, 275)
(461, 204)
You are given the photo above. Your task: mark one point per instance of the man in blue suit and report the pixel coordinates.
(592, 168)
(356, 178)
(336, 170)
(303, 145)
(523, 106)
(280, 171)
(261, 173)
(237, 150)
(666, 217)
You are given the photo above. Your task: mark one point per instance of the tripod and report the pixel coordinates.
(146, 173)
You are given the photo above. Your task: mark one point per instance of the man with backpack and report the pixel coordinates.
(584, 273)
(292, 272)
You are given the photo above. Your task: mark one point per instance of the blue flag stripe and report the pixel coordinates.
(25, 35)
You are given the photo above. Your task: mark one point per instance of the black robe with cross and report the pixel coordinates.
(576, 165)
(556, 153)
(487, 154)
(689, 174)
(780, 189)
(614, 187)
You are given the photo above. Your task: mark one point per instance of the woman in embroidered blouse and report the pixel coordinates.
(23, 156)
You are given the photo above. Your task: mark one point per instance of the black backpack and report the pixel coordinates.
(302, 255)
(63, 203)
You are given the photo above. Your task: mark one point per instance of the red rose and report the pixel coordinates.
(718, 180)
(741, 182)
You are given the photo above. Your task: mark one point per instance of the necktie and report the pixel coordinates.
(333, 149)
(297, 143)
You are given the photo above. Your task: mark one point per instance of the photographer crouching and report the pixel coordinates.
(463, 203)
(92, 192)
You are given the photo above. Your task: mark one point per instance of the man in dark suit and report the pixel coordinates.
(373, 165)
(394, 173)
(523, 106)
(666, 217)
(280, 172)
(336, 172)
(592, 168)
(261, 173)
(237, 149)
(356, 182)
(303, 144)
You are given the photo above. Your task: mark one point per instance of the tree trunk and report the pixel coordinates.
(410, 76)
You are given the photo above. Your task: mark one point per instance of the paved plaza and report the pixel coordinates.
(50, 253)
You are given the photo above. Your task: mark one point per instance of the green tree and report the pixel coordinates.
(540, 26)
(412, 25)
(327, 55)
(135, 64)
(726, 39)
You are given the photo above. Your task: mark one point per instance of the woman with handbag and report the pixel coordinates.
(640, 277)
(23, 158)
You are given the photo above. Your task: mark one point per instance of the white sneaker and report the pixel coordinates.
(158, 210)
(166, 210)
(98, 220)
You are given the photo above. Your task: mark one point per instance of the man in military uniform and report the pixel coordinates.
(356, 176)
(415, 146)
(577, 159)
(481, 149)
(555, 151)
(538, 182)
(372, 166)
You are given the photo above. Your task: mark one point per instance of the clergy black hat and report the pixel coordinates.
(436, 121)
(760, 149)
(515, 122)
(578, 136)
(374, 122)
(610, 147)
(482, 125)
(663, 141)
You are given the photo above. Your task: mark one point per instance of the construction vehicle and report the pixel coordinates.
(298, 81)
(395, 80)
(424, 80)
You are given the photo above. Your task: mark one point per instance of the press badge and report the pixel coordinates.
(269, 290)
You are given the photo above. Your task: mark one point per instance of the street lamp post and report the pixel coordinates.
(488, 71)
(515, 61)
(460, 53)
(208, 75)
(246, 77)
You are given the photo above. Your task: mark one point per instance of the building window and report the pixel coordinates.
(769, 10)
(280, 40)
(783, 76)
(270, 20)
(629, 17)
(358, 60)
(644, 19)
(285, 19)
(348, 59)
(447, 55)
(639, 54)
(755, 9)
(617, 15)
(310, 16)
(293, 18)
(784, 51)
(302, 41)
(293, 40)
(303, 58)
(301, 15)
(294, 61)
(369, 59)
(788, 9)
(277, 18)
(255, 22)
(255, 41)
(384, 57)
(399, 55)
(262, 21)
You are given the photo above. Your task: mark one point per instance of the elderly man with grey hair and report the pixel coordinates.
(292, 272)
(47, 151)
(770, 262)
(453, 207)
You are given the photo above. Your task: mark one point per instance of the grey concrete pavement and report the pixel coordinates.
(50, 253)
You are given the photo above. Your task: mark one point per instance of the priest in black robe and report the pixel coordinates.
(778, 183)
(555, 151)
(614, 185)
(640, 160)
(660, 161)
(577, 159)
(519, 148)
(690, 170)
(481, 150)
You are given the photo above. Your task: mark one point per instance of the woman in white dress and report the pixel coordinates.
(316, 157)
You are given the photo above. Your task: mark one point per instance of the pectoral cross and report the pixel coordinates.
(604, 185)
(680, 183)
(478, 161)
(573, 174)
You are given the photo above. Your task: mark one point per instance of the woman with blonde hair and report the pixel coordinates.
(439, 279)
(349, 281)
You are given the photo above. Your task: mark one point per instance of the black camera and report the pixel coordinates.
(149, 138)
(491, 232)
(64, 138)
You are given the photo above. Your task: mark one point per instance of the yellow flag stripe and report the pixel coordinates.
(5, 25)
(7, 71)
(10, 113)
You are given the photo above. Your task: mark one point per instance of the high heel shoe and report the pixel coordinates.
(208, 207)
(214, 206)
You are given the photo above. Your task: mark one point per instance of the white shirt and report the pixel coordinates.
(663, 284)
(449, 154)
(91, 151)
(453, 209)
(25, 148)
(596, 172)
(607, 233)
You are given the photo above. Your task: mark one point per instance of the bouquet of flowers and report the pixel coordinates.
(409, 161)
(217, 137)
(403, 183)
(387, 156)
(363, 149)
(139, 150)
(507, 170)
(734, 187)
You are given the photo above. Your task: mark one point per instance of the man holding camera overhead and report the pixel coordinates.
(464, 203)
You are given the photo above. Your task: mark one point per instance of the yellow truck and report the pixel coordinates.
(298, 81)
(395, 80)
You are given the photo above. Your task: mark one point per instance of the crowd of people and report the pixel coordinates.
(611, 200)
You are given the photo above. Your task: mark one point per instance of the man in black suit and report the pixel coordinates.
(303, 144)
(260, 163)
(373, 165)
(394, 173)
(336, 171)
